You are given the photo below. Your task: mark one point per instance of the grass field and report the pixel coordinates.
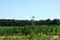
(42, 32)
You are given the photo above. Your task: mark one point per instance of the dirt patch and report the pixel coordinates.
(54, 37)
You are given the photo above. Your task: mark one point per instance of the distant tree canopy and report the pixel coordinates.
(12, 22)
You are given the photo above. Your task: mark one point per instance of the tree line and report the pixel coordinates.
(13, 22)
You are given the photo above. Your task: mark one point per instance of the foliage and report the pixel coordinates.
(13, 22)
(41, 32)
(26, 30)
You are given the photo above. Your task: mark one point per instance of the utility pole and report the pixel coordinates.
(32, 20)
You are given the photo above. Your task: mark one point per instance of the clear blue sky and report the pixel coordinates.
(24, 9)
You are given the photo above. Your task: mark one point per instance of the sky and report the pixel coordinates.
(25, 9)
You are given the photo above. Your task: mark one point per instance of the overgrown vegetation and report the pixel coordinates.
(26, 30)
(39, 30)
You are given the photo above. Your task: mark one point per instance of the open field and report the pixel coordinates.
(42, 32)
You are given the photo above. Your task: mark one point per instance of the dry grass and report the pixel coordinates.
(54, 37)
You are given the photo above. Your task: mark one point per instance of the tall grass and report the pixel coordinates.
(26, 30)
(41, 32)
